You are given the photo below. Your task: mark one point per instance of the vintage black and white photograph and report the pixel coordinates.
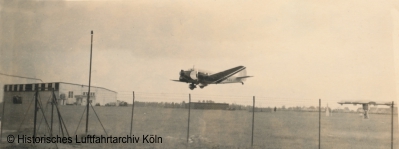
(204, 74)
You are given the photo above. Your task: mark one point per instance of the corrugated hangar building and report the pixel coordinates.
(66, 93)
(19, 103)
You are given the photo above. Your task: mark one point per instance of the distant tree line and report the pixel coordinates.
(234, 106)
(166, 104)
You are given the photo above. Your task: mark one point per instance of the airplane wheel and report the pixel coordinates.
(191, 86)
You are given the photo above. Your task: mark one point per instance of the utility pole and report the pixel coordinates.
(88, 94)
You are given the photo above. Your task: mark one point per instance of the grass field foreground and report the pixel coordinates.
(228, 129)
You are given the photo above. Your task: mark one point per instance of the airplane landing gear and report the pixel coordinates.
(366, 114)
(366, 111)
(192, 86)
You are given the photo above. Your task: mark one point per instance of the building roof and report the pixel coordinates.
(86, 86)
(70, 84)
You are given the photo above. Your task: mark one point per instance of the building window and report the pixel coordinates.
(86, 93)
(17, 100)
(9, 87)
(36, 87)
(62, 96)
(15, 87)
(42, 86)
(28, 87)
(21, 87)
(70, 94)
(57, 86)
(50, 86)
(5, 87)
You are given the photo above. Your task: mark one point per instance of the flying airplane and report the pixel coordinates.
(203, 78)
(365, 105)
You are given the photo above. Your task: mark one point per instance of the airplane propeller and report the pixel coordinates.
(194, 74)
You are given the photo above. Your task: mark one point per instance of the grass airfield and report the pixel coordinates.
(225, 129)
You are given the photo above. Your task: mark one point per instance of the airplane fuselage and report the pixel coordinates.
(203, 78)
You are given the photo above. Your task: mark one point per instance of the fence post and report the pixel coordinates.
(253, 121)
(52, 112)
(392, 124)
(319, 120)
(131, 121)
(2, 116)
(34, 122)
(188, 123)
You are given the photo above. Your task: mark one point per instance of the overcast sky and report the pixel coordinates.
(298, 51)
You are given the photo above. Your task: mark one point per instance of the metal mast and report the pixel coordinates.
(88, 94)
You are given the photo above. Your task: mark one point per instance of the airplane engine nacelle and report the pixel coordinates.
(193, 75)
(201, 76)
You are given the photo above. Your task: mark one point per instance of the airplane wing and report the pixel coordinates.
(178, 81)
(221, 76)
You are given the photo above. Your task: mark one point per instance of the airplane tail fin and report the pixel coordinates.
(243, 75)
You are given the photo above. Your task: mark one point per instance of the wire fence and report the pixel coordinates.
(261, 123)
(290, 102)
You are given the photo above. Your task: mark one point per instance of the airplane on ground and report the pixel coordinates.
(365, 105)
(203, 78)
